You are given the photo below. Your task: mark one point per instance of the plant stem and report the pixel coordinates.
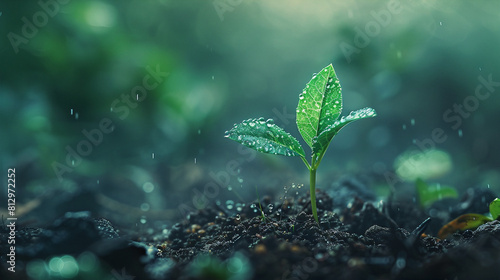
(312, 190)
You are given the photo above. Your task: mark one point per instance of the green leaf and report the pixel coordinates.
(495, 208)
(321, 142)
(428, 194)
(466, 221)
(265, 137)
(320, 104)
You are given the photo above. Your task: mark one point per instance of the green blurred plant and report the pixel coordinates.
(429, 193)
(319, 108)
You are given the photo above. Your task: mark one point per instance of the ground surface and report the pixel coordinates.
(355, 239)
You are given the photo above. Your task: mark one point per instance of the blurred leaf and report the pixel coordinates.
(466, 221)
(428, 194)
(495, 208)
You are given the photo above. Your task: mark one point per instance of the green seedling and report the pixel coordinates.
(429, 193)
(318, 112)
(262, 216)
(470, 221)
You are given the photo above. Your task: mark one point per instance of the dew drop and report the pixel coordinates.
(252, 124)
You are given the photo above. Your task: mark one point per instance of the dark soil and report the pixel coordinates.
(363, 241)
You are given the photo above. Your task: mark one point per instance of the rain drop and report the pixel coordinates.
(404, 126)
(153, 155)
(252, 124)
(194, 160)
(441, 23)
(76, 116)
(72, 112)
(229, 204)
(460, 133)
(213, 77)
(145, 207)
(412, 122)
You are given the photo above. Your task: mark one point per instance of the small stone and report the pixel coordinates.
(260, 249)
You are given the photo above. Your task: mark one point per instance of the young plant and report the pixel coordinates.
(318, 112)
(470, 221)
(430, 193)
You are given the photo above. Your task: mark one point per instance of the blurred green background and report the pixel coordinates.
(66, 65)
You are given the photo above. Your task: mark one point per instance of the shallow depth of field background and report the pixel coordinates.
(418, 63)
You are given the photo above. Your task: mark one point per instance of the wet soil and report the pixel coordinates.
(355, 239)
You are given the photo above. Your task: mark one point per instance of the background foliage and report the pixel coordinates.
(233, 60)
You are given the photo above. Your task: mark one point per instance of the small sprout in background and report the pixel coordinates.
(210, 267)
(318, 112)
(262, 216)
(470, 221)
(430, 193)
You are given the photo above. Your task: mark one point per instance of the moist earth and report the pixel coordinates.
(356, 238)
